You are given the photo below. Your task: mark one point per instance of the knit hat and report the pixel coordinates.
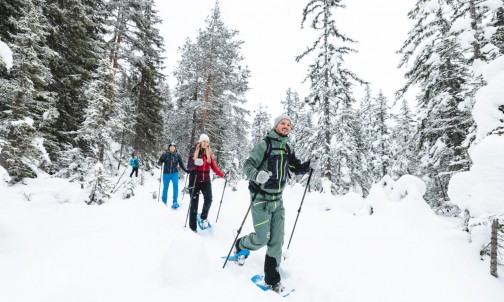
(172, 144)
(279, 118)
(203, 137)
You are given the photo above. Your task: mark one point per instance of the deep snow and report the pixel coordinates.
(54, 247)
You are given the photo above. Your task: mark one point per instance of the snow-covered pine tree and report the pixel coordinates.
(483, 16)
(498, 22)
(188, 92)
(261, 125)
(402, 145)
(99, 125)
(135, 49)
(148, 64)
(76, 35)
(8, 9)
(380, 147)
(226, 81)
(215, 83)
(331, 95)
(300, 139)
(291, 104)
(27, 106)
(100, 185)
(369, 135)
(233, 153)
(168, 111)
(444, 100)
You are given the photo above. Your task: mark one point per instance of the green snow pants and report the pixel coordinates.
(268, 216)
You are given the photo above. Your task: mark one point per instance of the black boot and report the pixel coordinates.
(237, 246)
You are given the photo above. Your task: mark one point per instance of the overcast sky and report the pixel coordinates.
(272, 35)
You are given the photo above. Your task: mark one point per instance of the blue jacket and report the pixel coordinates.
(171, 162)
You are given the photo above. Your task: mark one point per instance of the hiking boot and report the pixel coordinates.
(237, 246)
(278, 288)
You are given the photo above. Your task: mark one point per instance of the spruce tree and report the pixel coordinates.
(444, 101)
(135, 50)
(331, 95)
(369, 135)
(26, 104)
(76, 35)
(99, 126)
(211, 85)
(402, 145)
(261, 125)
(380, 160)
(291, 103)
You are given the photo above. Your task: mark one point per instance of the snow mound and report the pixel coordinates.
(480, 190)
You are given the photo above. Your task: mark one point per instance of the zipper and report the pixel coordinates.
(281, 169)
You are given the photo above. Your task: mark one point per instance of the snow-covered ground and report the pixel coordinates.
(54, 247)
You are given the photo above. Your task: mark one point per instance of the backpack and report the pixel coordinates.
(134, 162)
(255, 188)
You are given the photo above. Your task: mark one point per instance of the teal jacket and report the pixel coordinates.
(279, 163)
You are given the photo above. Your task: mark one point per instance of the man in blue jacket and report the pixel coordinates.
(170, 160)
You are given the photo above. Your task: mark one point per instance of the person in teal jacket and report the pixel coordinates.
(268, 179)
(134, 163)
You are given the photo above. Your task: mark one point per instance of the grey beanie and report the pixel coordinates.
(279, 118)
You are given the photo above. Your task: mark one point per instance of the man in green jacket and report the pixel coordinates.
(268, 178)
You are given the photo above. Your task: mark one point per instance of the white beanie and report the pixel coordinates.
(279, 118)
(203, 137)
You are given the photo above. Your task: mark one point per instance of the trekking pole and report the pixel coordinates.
(239, 230)
(160, 180)
(299, 210)
(223, 190)
(126, 168)
(190, 200)
(185, 184)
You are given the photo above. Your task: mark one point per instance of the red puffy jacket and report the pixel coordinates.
(202, 172)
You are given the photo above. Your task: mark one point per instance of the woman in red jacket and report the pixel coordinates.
(201, 160)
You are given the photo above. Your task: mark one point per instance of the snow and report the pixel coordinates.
(488, 32)
(431, 6)
(480, 190)
(54, 247)
(38, 143)
(466, 39)
(6, 55)
(26, 120)
(489, 98)
(493, 5)
(460, 24)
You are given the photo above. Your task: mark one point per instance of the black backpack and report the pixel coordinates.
(253, 186)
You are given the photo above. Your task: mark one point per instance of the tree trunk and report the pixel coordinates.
(493, 248)
(120, 152)
(474, 26)
(206, 100)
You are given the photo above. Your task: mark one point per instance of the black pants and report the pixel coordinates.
(206, 189)
(135, 170)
